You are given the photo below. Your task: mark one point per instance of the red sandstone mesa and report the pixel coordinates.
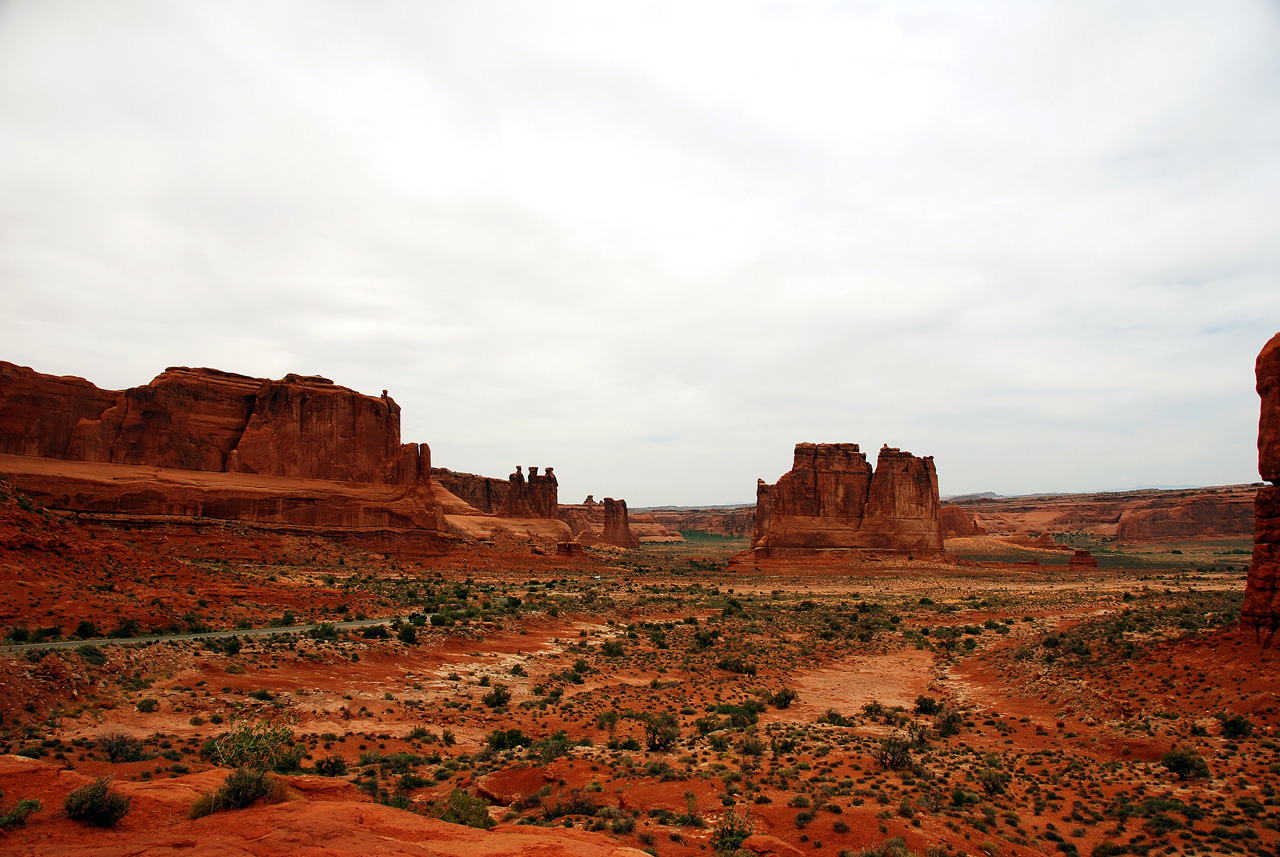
(831, 498)
(246, 437)
(1261, 609)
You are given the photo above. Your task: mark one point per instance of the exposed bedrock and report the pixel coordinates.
(831, 498)
(1261, 609)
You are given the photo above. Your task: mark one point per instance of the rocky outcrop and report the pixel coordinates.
(604, 523)
(1267, 371)
(1187, 515)
(535, 497)
(731, 522)
(831, 498)
(302, 426)
(1099, 515)
(617, 532)
(38, 413)
(1082, 559)
(1261, 609)
(301, 450)
(483, 493)
(958, 523)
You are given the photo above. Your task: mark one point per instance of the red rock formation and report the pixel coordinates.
(39, 412)
(223, 424)
(831, 498)
(607, 523)
(1261, 609)
(1100, 514)
(617, 532)
(484, 493)
(1082, 559)
(537, 497)
(958, 523)
(731, 522)
(1268, 374)
(1187, 515)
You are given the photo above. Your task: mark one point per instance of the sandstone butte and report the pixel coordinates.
(1261, 610)
(299, 451)
(832, 499)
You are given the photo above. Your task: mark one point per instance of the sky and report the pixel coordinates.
(655, 245)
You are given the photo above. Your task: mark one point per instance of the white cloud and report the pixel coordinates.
(654, 245)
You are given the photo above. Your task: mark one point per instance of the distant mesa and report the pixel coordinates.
(1261, 610)
(831, 499)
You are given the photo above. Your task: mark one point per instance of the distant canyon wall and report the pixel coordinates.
(832, 498)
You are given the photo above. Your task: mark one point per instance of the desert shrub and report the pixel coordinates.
(259, 745)
(498, 696)
(91, 654)
(948, 723)
(86, 629)
(239, 790)
(18, 815)
(119, 747)
(148, 705)
(408, 635)
(661, 730)
(1235, 726)
(730, 832)
(376, 632)
(507, 739)
(784, 697)
(926, 705)
(1185, 764)
(461, 808)
(894, 752)
(324, 631)
(993, 781)
(97, 804)
(612, 649)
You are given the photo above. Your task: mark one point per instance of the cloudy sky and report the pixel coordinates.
(657, 244)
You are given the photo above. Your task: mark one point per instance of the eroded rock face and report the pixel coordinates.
(956, 522)
(1267, 371)
(1261, 609)
(1189, 515)
(617, 531)
(535, 497)
(831, 498)
(483, 493)
(38, 412)
(301, 426)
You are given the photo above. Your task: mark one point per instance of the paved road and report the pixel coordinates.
(245, 632)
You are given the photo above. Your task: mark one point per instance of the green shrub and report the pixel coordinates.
(461, 808)
(1235, 726)
(731, 831)
(17, 817)
(498, 696)
(252, 745)
(239, 790)
(91, 654)
(331, 766)
(661, 730)
(119, 747)
(97, 804)
(1185, 764)
(148, 705)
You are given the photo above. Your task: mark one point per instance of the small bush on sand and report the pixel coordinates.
(97, 804)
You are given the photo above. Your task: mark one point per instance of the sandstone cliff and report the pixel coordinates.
(484, 493)
(956, 522)
(831, 498)
(616, 529)
(1261, 610)
(731, 523)
(1187, 515)
(606, 523)
(305, 427)
(301, 450)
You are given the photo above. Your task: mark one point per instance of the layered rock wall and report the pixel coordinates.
(483, 493)
(534, 497)
(1261, 609)
(831, 498)
(301, 426)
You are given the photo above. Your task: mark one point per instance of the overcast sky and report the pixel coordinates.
(656, 244)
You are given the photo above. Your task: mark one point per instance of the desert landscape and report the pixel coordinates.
(241, 617)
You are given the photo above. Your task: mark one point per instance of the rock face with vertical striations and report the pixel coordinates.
(218, 423)
(1261, 609)
(832, 499)
(617, 530)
